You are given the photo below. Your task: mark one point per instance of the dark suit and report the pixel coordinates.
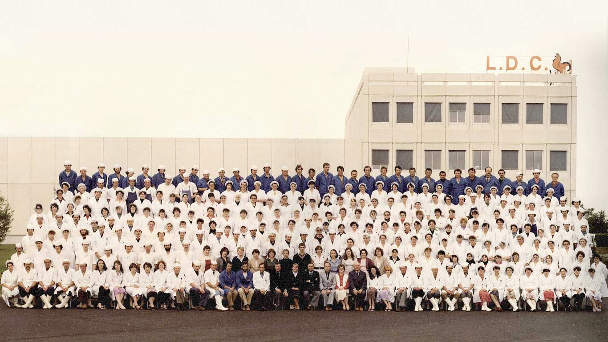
(293, 284)
(277, 282)
(357, 281)
(310, 287)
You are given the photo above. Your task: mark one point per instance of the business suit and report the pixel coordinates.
(357, 281)
(327, 283)
(310, 288)
(293, 285)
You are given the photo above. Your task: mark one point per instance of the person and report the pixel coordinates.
(278, 286)
(310, 287)
(9, 284)
(212, 283)
(115, 283)
(528, 284)
(176, 283)
(82, 283)
(130, 282)
(293, 286)
(261, 284)
(228, 283)
(449, 290)
(160, 285)
(342, 287)
(547, 285)
(432, 287)
(386, 288)
(578, 289)
(195, 286)
(327, 286)
(146, 283)
(496, 286)
(27, 281)
(357, 285)
(244, 284)
(593, 290)
(418, 286)
(46, 283)
(511, 285)
(68, 176)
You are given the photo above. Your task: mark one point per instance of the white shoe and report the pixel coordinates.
(435, 303)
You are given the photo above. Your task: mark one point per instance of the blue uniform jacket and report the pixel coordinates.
(322, 182)
(400, 180)
(301, 182)
(266, 180)
(385, 179)
(559, 189)
(87, 181)
(541, 186)
(355, 183)
(283, 183)
(487, 184)
(430, 182)
(339, 184)
(250, 180)
(140, 180)
(68, 177)
(221, 186)
(158, 179)
(457, 187)
(369, 182)
(120, 180)
(414, 180)
(96, 176)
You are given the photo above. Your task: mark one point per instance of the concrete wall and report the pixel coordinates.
(29, 167)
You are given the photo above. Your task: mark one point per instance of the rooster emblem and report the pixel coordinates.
(561, 67)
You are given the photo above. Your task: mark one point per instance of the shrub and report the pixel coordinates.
(6, 217)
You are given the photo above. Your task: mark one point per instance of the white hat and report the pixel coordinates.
(67, 162)
(144, 166)
(254, 167)
(100, 180)
(117, 166)
(520, 173)
(266, 165)
(176, 265)
(220, 169)
(161, 167)
(108, 248)
(82, 168)
(182, 168)
(536, 171)
(196, 263)
(194, 167)
(113, 180)
(236, 169)
(550, 189)
(130, 170)
(186, 242)
(205, 172)
(132, 178)
(167, 176)
(101, 165)
(284, 168)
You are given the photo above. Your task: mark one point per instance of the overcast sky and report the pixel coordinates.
(271, 68)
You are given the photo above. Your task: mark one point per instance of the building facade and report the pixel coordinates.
(442, 121)
(517, 122)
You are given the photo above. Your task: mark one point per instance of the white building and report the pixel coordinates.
(443, 121)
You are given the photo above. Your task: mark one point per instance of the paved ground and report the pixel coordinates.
(113, 325)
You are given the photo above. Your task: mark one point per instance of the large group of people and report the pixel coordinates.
(306, 241)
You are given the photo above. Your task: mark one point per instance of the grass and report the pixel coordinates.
(5, 253)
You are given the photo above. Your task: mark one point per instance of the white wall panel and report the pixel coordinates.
(259, 152)
(43, 156)
(235, 155)
(91, 154)
(212, 155)
(283, 154)
(3, 160)
(115, 152)
(139, 152)
(163, 153)
(20, 158)
(187, 153)
(66, 149)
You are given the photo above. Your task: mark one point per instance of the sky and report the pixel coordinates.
(272, 68)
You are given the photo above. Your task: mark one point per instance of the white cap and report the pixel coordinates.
(161, 167)
(536, 171)
(205, 172)
(113, 180)
(67, 162)
(520, 173)
(196, 263)
(195, 167)
(176, 265)
(266, 165)
(132, 179)
(254, 167)
(82, 168)
(236, 169)
(167, 176)
(100, 180)
(130, 170)
(101, 165)
(144, 166)
(220, 169)
(182, 168)
(284, 168)
(117, 166)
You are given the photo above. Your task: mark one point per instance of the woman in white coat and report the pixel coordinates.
(511, 286)
(418, 287)
(578, 288)
(146, 284)
(563, 287)
(117, 291)
(593, 290)
(496, 285)
(547, 286)
(10, 290)
(386, 286)
(601, 272)
(130, 281)
(528, 284)
(465, 287)
(82, 281)
(160, 285)
(481, 288)
(100, 286)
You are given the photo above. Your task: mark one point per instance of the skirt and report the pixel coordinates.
(341, 294)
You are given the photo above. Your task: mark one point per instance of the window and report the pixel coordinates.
(380, 111)
(534, 159)
(379, 159)
(432, 159)
(510, 159)
(456, 159)
(558, 160)
(481, 159)
(405, 159)
(534, 113)
(559, 113)
(510, 113)
(457, 112)
(432, 112)
(481, 113)
(405, 112)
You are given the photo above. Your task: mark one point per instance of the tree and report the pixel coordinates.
(598, 224)
(6, 217)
